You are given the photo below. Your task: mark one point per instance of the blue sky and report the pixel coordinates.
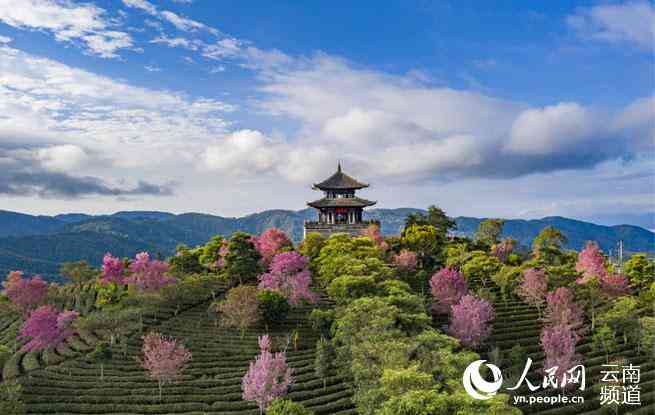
(512, 109)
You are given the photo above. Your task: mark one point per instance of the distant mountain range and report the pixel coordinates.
(39, 244)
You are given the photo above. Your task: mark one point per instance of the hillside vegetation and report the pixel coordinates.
(41, 243)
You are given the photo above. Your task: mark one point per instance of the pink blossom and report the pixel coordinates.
(268, 377)
(270, 243)
(406, 261)
(47, 328)
(148, 275)
(289, 274)
(558, 343)
(533, 287)
(24, 294)
(373, 232)
(591, 263)
(448, 286)
(470, 320)
(503, 249)
(222, 253)
(561, 310)
(163, 358)
(113, 270)
(614, 285)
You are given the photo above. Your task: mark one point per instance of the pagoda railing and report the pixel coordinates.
(364, 222)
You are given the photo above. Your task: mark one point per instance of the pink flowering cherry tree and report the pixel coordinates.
(46, 328)
(533, 286)
(268, 377)
(163, 358)
(113, 270)
(558, 343)
(24, 293)
(614, 285)
(147, 275)
(470, 319)
(289, 274)
(373, 232)
(270, 243)
(561, 310)
(503, 249)
(591, 263)
(448, 286)
(406, 261)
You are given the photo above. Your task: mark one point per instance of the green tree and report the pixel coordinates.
(435, 217)
(507, 279)
(620, 317)
(640, 270)
(242, 263)
(342, 255)
(426, 241)
(347, 288)
(79, 272)
(287, 407)
(547, 246)
(481, 267)
(604, 339)
(647, 343)
(101, 354)
(325, 359)
(186, 261)
(489, 231)
(273, 307)
(208, 253)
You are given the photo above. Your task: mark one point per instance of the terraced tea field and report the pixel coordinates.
(63, 382)
(210, 385)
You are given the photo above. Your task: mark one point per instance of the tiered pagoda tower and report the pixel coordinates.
(340, 210)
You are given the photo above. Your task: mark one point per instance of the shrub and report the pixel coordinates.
(273, 307)
(287, 407)
(10, 399)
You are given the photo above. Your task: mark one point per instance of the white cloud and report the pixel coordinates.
(181, 23)
(553, 129)
(174, 42)
(46, 103)
(242, 153)
(224, 48)
(65, 157)
(68, 22)
(630, 22)
(394, 127)
(152, 68)
(5, 39)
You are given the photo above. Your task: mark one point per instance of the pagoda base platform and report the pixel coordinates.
(327, 229)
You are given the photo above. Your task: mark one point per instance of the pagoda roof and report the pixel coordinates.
(340, 181)
(327, 202)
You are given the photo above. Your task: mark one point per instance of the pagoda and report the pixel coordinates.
(339, 211)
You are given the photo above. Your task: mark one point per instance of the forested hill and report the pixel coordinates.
(38, 244)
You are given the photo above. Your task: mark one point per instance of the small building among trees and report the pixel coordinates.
(340, 210)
